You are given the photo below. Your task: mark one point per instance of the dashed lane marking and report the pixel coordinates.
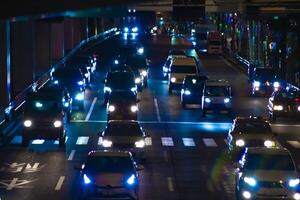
(170, 184)
(295, 144)
(72, 154)
(38, 142)
(82, 140)
(60, 183)
(157, 109)
(167, 141)
(188, 142)
(209, 142)
(87, 118)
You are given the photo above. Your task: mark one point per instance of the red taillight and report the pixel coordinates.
(297, 100)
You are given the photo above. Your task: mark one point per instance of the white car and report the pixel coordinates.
(217, 96)
(266, 173)
(179, 68)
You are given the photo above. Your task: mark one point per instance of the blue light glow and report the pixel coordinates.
(86, 179)
(66, 104)
(226, 100)
(38, 104)
(116, 62)
(140, 50)
(135, 29)
(79, 96)
(126, 29)
(207, 100)
(250, 181)
(256, 83)
(294, 182)
(80, 82)
(131, 180)
(187, 92)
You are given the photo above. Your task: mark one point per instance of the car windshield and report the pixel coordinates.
(217, 91)
(253, 127)
(122, 129)
(269, 162)
(42, 106)
(264, 75)
(188, 69)
(122, 98)
(114, 164)
(121, 81)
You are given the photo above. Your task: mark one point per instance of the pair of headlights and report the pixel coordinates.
(28, 123)
(251, 181)
(137, 144)
(280, 108)
(112, 108)
(241, 143)
(208, 100)
(257, 84)
(130, 181)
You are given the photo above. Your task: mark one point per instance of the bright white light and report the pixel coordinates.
(296, 196)
(246, 195)
(226, 100)
(137, 80)
(129, 10)
(250, 181)
(194, 81)
(126, 29)
(80, 82)
(134, 108)
(131, 180)
(107, 89)
(278, 107)
(134, 29)
(144, 73)
(240, 143)
(66, 104)
(294, 182)
(187, 92)
(86, 179)
(193, 30)
(116, 62)
(276, 84)
(140, 50)
(207, 100)
(268, 143)
(56, 82)
(38, 105)
(140, 144)
(299, 108)
(107, 143)
(134, 10)
(79, 96)
(57, 124)
(111, 108)
(194, 43)
(86, 75)
(133, 89)
(27, 123)
(173, 79)
(256, 83)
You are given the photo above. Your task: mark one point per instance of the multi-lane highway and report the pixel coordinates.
(186, 156)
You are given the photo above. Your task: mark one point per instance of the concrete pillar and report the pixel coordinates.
(22, 55)
(57, 39)
(5, 66)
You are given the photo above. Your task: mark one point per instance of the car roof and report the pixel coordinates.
(269, 151)
(183, 61)
(109, 153)
(217, 83)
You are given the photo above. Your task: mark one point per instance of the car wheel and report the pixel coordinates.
(204, 113)
(25, 141)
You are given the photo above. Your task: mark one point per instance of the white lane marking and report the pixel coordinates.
(60, 183)
(38, 142)
(19, 105)
(157, 109)
(295, 144)
(100, 141)
(148, 141)
(188, 142)
(209, 142)
(167, 141)
(82, 140)
(57, 142)
(12, 184)
(170, 184)
(87, 118)
(72, 154)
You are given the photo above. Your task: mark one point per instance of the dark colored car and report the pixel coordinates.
(44, 118)
(120, 81)
(192, 90)
(125, 136)
(265, 81)
(109, 175)
(122, 105)
(284, 103)
(141, 65)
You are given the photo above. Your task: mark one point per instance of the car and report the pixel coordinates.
(192, 90)
(265, 81)
(109, 175)
(122, 105)
(140, 64)
(284, 103)
(74, 81)
(179, 68)
(43, 118)
(249, 132)
(126, 136)
(266, 173)
(172, 55)
(120, 80)
(177, 52)
(217, 96)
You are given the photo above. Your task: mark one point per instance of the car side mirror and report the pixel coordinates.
(237, 165)
(140, 168)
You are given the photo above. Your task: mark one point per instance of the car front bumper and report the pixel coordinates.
(120, 192)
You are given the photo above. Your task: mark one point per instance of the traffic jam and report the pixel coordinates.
(111, 124)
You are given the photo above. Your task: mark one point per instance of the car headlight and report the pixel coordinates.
(141, 50)
(187, 92)
(299, 108)
(80, 82)
(276, 84)
(86, 179)
(107, 89)
(247, 195)
(56, 82)
(133, 89)
(106, 143)
(137, 80)
(38, 104)
(111, 108)
(226, 100)
(144, 73)
(135, 29)
(250, 181)
(139, 144)
(173, 79)
(278, 107)
(294, 182)
(79, 96)
(165, 69)
(207, 100)
(27, 123)
(256, 83)
(57, 124)
(240, 143)
(126, 29)
(66, 104)
(131, 180)
(86, 75)
(134, 108)
(116, 62)
(296, 196)
(268, 143)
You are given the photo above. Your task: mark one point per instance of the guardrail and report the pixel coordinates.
(12, 110)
